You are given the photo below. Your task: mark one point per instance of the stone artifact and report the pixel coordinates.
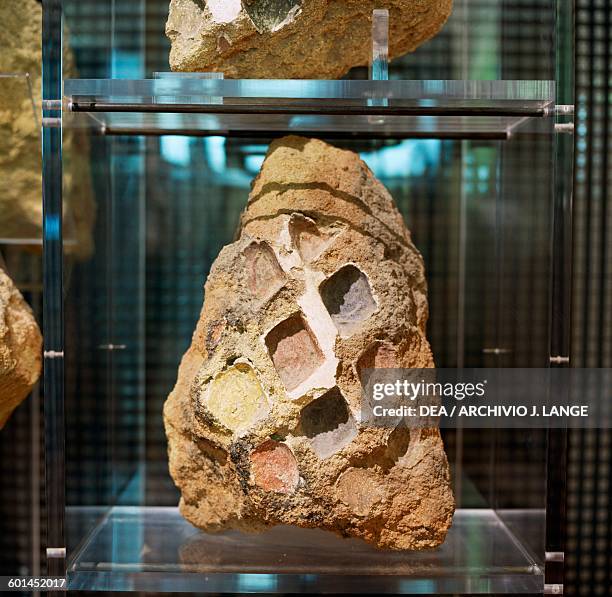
(20, 142)
(295, 39)
(20, 348)
(264, 422)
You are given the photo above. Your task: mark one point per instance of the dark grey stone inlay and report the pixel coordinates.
(269, 14)
(348, 298)
(328, 423)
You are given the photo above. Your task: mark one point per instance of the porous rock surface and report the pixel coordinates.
(264, 421)
(301, 39)
(20, 141)
(20, 348)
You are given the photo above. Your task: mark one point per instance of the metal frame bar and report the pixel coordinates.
(77, 104)
(53, 308)
(560, 299)
(253, 134)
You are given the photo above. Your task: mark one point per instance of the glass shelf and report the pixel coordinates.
(338, 127)
(136, 548)
(252, 108)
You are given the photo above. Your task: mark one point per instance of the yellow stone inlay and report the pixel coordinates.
(236, 398)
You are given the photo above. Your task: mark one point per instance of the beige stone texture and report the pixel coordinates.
(20, 138)
(295, 39)
(346, 290)
(20, 348)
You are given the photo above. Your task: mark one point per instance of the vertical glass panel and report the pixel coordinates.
(525, 288)
(105, 280)
(105, 318)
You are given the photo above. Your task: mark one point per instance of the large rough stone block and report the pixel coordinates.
(299, 39)
(20, 348)
(264, 422)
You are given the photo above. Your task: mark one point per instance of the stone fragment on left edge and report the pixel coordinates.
(20, 348)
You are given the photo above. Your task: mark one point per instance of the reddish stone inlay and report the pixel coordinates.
(380, 355)
(294, 351)
(360, 489)
(274, 467)
(223, 44)
(264, 275)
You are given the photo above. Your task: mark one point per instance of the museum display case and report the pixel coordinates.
(471, 135)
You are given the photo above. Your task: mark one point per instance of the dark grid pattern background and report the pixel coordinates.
(589, 547)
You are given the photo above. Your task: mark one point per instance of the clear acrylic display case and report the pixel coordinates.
(471, 136)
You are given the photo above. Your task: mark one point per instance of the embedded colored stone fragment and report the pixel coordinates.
(306, 237)
(294, 351)
(236, 398)
(271, 15)
(20, 348)
(380, 355)
(360, 489)
(274, 468)
(264, 275)
(328, 423)
(348, 298)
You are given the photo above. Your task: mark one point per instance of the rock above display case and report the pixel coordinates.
(292, 39)
(20, 348)
(264, 421)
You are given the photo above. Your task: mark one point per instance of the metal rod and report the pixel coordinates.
(92, 105)
(324, 134)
